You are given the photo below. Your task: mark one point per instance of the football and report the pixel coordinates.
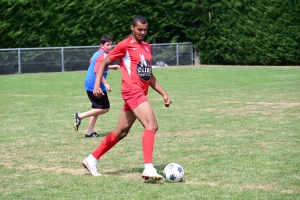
(173, 172)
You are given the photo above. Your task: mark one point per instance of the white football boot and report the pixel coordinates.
(91, 166)
(151, 173)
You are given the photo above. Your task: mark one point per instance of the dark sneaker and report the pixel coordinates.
(77, 121)
(92, 135)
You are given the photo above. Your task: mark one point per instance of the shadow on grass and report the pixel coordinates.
(136, 171)
(101, 135)
(159, 169)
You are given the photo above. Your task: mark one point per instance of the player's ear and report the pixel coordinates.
(132, 27)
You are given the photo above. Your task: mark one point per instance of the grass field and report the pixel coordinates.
(235, 131)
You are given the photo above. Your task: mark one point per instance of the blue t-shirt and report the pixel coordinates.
(91, 76)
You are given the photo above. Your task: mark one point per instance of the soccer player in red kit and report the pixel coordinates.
(135, 58)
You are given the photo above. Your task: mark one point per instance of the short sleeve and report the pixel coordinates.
(99, 61)
(119, 51)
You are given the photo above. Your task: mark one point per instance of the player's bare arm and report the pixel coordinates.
(156, 86)
(97, 90)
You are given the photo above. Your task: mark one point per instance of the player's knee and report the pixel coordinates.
(102, 111)
(106, 110)
(156, 128)
(152, 127)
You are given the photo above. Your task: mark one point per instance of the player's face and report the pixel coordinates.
(139, 31)
(107, 46)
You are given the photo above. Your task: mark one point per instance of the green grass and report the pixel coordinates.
(235, 131)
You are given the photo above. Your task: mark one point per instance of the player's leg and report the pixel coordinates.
(80, 116)
(125, 122)
(90, 131)
(99, 107)
(145, 114)
(92, 122)
(92, 112)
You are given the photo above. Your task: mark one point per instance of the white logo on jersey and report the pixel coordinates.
(146, 49)
(143, 61)
(134, 49)
(144, 69)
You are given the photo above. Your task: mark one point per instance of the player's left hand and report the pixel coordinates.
(114, 67)
(167, 100)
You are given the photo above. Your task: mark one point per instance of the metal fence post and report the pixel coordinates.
(192, 53)
(177, 57)
(62, 60)
(19, 60)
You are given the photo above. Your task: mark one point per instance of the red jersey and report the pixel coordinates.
(136, 64)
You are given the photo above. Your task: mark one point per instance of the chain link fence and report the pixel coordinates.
(60, 59)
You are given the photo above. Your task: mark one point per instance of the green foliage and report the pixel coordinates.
(224, 32)
(73, 23)
(251, 33)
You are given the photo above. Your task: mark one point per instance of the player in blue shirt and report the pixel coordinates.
(99, 105)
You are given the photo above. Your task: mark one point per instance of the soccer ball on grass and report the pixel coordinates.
(173, 172)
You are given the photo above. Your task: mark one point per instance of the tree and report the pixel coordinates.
(243, 32)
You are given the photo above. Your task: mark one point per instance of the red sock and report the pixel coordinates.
(107, 143)
(148, 143)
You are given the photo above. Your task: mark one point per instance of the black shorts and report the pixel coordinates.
(99, 103)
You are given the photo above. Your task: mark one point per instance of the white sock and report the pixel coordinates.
(91, 158)
(149, 166)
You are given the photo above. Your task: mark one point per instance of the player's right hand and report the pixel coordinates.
(108, 87)
(98, 92)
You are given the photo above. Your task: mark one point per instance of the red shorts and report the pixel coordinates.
(132, 99)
